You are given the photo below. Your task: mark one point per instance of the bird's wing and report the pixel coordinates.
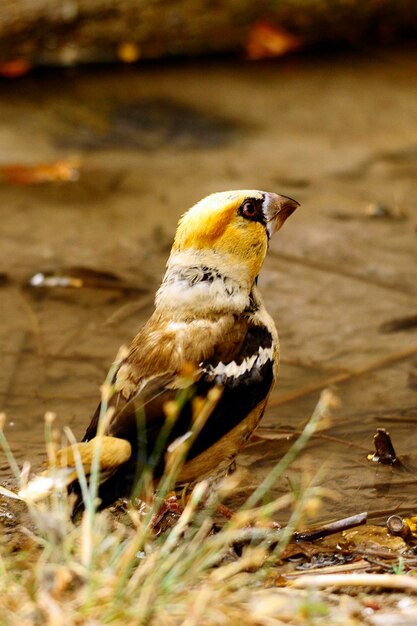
(246, 379)
(243, 373)
(149, 400)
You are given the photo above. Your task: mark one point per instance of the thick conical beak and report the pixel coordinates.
(277, 209)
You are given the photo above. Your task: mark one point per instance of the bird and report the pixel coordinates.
(209, 336)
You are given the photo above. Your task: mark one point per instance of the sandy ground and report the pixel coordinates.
(338, 133)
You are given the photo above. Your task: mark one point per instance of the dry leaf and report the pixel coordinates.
(128, 52)
(15, 68)
(58, 171)
(266, 40)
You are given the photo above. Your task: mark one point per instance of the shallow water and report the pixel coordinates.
(338, 133)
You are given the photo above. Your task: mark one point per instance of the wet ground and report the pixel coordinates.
(338, 133)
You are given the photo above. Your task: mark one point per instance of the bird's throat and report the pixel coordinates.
(201, 287)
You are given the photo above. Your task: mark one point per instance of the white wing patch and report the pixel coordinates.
(232, 370)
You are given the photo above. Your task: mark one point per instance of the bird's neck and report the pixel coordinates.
(195, 283)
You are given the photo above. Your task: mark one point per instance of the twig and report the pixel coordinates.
(398, 324)
(340, 378)
(54, 355)
(383, 567)
(311, 363)
(398, 419)
(125, 311)
(35, 324)
(384, 581)
(9, 373)
(49, 396)
(375, 515)
(265, 434)
(332, 569)
(331, 528)
(380, 553)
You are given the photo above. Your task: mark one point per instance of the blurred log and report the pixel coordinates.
(67, 32)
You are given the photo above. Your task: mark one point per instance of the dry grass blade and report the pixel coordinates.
(377, 581)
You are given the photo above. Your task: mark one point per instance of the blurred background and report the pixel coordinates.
(117, 116)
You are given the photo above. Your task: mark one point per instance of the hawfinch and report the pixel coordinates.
(209, 329)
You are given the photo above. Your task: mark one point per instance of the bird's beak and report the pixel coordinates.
(277, 209)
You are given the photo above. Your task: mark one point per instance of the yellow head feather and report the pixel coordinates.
(214, 224)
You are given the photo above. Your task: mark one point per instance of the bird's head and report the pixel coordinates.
(228, 233)
(236, 225)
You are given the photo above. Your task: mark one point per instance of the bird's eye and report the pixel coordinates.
(250, 210)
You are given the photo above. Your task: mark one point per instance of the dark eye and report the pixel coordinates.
(250, 210)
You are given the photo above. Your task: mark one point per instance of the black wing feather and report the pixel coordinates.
(140, 420)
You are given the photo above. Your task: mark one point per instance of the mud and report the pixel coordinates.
(337, 132)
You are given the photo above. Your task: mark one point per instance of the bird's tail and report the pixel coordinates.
(69, 462)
